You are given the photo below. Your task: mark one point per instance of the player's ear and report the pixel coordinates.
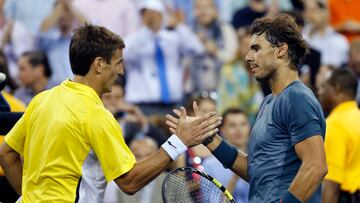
(97, 63)
(282, 50)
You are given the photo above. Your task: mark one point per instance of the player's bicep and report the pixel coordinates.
(311, 150)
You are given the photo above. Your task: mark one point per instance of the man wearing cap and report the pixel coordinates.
(153, 60)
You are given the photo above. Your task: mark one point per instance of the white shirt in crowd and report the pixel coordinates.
(333, 46)
(143, 83)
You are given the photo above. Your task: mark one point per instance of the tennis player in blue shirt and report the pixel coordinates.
(286, 159)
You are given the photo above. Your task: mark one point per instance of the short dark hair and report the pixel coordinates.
(283, 29)
(89, 42)
(36, 58)
(345, 79)
(232, 111)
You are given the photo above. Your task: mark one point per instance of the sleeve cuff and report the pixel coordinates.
(13, 145)
(119, 172)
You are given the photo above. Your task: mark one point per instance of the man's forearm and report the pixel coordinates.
(144, 172)
(307, 180)
(13, 166)
(240, 165)
(331, 192)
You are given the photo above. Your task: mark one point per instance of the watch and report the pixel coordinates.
(208, 140)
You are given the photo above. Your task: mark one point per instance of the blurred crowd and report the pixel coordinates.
(176, 51)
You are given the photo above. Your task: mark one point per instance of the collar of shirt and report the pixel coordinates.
(82, 89)
(345, 106)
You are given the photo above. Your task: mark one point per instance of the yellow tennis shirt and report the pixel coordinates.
(55, 135)
(342, 146)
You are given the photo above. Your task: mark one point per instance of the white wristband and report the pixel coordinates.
(174, 147)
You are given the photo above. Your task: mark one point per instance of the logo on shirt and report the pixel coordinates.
(171, 144)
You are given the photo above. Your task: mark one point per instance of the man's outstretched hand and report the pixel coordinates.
(193, 130)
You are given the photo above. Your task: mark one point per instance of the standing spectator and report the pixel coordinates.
(8, 86)
(54, 38)
(333, 46)
(354, 63)
(7, 103)
(206, 101)
(236, 130)
(185, 8)
(153, 58)
(119, 16)
(34, 74)
(342, 141)
(30, 12)
(237, 87)
(220, 42)
(312, 61)
(245, 16)
(345, 17)
(15, 39)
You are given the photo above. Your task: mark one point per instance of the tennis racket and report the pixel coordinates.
(187, 185)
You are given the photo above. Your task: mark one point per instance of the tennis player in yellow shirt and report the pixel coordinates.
(65, 125)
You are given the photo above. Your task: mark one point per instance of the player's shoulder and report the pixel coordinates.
(298, 92)
(40, 96)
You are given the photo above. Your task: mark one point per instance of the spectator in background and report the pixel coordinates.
(220, 43)
(236, 130)
(9, 86)
(132, 120)
(119, 16)
(312, 61)
(185, 8)
(342, 139)
(226, 8)
(30, 13)
(15, 39)
(141, 148)
(237, 87)
(345, 17)
(354, 63)
(34, 75)
(245, 16)
(55, 35)
(153, 60)
(323, 74)
(7, 103)
(206, 102)
(320, 35)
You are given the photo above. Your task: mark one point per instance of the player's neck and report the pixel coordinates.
(88, 81)
(281, 79)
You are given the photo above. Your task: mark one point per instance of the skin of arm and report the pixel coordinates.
(241, 163)
(12, 165)
(53, 18)
(232, 183)
(331, 192)
(58, 11)
(190, 132)
(312, 170)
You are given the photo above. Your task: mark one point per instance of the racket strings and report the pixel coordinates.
(189, 187)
